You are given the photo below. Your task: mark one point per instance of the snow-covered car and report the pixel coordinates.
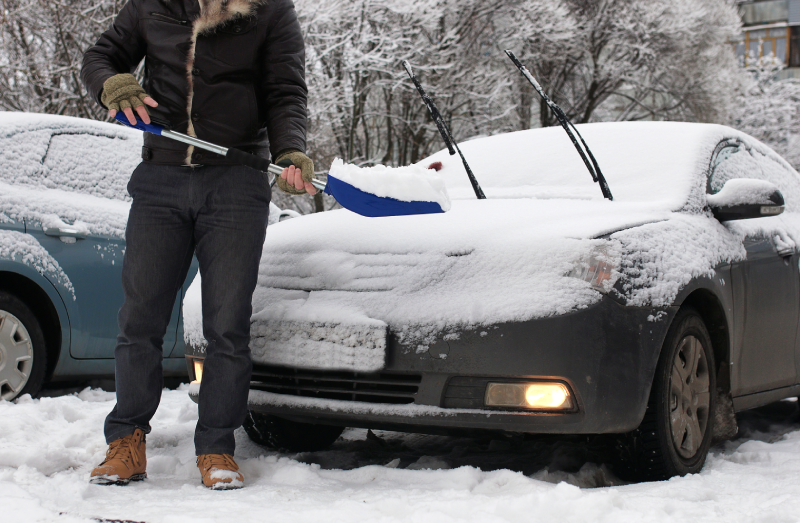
(544, 308)
(63, 210)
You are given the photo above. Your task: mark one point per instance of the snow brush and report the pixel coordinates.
(350, 197)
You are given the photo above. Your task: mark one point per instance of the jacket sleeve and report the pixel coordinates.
(118, 50)
(283, 84)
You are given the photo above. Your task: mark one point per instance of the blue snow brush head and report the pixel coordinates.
(373, 206)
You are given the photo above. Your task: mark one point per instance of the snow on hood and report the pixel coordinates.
(56, 169)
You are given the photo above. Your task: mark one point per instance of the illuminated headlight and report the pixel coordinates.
(598, 268)
(542, 395)
(198, 371)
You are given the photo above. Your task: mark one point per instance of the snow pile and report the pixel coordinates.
(49, 446)
(24, 248)
(740, 191)
(408, 184)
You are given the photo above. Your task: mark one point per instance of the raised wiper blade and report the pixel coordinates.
(587, 156)
(444, 131)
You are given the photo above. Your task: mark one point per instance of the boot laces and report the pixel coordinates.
(124, 449)
(219, 461)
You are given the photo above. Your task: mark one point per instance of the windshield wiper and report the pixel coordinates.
(444, 131)
(594, 169)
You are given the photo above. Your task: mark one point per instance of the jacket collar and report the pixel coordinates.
(215, 13)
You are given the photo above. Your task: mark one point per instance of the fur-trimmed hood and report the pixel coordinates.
(213, 14)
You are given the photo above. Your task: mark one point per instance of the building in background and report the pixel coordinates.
(771, 27)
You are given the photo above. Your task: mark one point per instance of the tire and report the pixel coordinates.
(23, 355)
(676, 432)
(278, 433)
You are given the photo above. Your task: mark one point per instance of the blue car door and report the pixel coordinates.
(86, 163)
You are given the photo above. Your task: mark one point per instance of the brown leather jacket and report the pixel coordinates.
(230, 72)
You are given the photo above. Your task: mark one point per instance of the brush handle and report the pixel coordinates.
(251, 160)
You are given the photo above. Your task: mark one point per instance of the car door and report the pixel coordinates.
(83, 163)
(767, 297)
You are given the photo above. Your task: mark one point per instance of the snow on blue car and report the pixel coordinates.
(63, 210)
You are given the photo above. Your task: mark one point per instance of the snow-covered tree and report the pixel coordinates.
(43, 42)
(768, 108)
(642, 59)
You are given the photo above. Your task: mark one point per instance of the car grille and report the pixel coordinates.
(381, 387)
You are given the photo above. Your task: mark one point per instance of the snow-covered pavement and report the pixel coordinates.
(48, 447)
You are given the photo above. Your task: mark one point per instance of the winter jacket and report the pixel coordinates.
(227, 71)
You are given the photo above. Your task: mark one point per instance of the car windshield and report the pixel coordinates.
(655, 162)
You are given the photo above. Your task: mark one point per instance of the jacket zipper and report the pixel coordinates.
(169, 18)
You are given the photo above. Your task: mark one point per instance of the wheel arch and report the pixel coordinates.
(711, 310)
(42, 307)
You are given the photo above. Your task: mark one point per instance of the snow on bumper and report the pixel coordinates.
(319, 345)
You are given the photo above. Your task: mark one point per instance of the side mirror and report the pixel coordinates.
(743, 198)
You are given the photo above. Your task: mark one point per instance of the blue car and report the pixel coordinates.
(63, 210)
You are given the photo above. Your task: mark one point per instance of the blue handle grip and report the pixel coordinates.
(148, 127)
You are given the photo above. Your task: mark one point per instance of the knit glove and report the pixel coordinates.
(299, 160)
(122, 91)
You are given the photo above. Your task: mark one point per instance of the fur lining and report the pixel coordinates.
(213, 14)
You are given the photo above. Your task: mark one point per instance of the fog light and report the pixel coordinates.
(198, 371)
(528, 395)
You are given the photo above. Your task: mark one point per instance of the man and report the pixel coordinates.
(229, 72)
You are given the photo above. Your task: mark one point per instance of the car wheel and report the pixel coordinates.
(279, 433)
(22, 349)
(675, 434)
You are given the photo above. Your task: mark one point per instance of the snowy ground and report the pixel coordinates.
(48, 447)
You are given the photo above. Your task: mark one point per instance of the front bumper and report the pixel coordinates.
(606, 354)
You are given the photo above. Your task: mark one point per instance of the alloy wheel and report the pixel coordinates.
(16, 355)
(690, 397)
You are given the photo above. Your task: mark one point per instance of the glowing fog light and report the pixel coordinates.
(198, 371)
(528, 395)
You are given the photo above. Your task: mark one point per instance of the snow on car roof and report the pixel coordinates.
(655, 162)
(59, 168)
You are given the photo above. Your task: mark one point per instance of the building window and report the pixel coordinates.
(764, 42)
(794, 47)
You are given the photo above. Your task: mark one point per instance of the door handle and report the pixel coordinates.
(65, 232)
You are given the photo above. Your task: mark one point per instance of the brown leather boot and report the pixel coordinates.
(125, 461)
(219, 471)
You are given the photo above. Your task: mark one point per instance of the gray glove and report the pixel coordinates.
(299, 160)
(122, 91)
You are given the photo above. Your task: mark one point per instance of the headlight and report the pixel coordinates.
(539, 395)
(598, 268)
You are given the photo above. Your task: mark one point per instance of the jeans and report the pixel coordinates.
(218, 213)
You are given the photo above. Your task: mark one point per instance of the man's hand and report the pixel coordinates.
(296, 179)
(123, 93)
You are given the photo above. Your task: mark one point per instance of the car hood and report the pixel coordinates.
(482, 262)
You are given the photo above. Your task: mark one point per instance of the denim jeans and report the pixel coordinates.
(218, 213)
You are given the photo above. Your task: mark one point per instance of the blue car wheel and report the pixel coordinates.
(22, 349)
